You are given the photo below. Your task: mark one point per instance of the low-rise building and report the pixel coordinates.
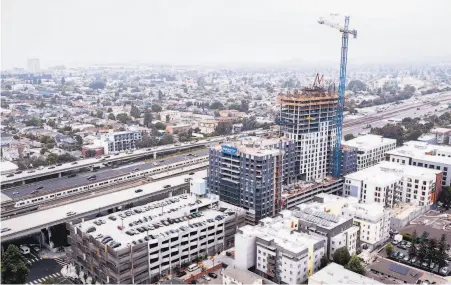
(278, 251)
(370, 149)
(236, 276)
(336, 274)
(118, 141)
(442, 135)
(144, 243)
(390, 183)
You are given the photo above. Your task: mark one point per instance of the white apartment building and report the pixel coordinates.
(370, 149)
(424, 155)
(235, 276)
(118, 141)
(336, 274)
(390, 183)
(338, 230)
(278, 251)
(33, 65)
(442, 135)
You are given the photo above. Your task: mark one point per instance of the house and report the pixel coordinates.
(65, 142)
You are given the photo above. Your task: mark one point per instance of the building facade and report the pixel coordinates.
(278, 251)
(33, 65)
(144, 247)
(118, 141)
(370, 149)
(249, 173)
(309, 118)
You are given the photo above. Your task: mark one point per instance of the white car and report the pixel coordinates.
(70, 213)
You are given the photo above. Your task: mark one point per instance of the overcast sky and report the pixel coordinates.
(78, 32)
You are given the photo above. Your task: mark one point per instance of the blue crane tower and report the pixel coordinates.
(341, 88)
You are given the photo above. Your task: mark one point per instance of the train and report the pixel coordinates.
(115, 180)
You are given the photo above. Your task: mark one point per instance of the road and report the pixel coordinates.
(102, 174)
(356, 124)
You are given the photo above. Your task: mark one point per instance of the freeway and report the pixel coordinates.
(33, 223)
(356, 124)
(102, 174)
(51, 170)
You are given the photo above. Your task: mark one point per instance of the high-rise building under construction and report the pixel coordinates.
(309, 117)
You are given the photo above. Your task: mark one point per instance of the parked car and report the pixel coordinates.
(39, 187)
(138, 190)
(71, 175)
(206, 277)
(395, 254)
(167, 186)
(70, 213)
(444, 270)
(213, 275)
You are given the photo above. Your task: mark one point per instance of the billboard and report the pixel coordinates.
(229, 150)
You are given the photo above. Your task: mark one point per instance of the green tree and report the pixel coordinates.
(111, 116)
(389, 249)
(168, 118)
(123, 118)
(413, 249)
(135, 112)
(166, 139)
(349, 137)
(14, 270)
(43, 150)
(160, 126)
(431, 253)
(250, 124)
(445, 197)
(356, 85)
(99, 114)
(342, 256)
(109, 110)
(442, 254)
(223, 128)
(324, 261)
(216, 105)
(355, 265)
(160, 97)
(97, 85)
(422, 252)
(156, 108)
(52, 158)
(147, 118)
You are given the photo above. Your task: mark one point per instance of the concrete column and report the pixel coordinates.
(154, 155)
(59, 174)
(170, 194)
(23, 182)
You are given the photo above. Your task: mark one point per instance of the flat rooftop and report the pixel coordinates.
(368, 142)
(336, 274)
(255, 146)
(139, 223)
(424, 151)
(314, 213)
(59, 214)
(304, 186)
(274, 229)
(390, 172)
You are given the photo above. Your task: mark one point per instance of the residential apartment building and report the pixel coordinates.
(143, 247)
(338, 230)
(33, 65)
(425, 155)
(278, 251)
(207, 126)
(309, 118)
(373, 219)
(443, 135)
(370, 149)
(118, 141)
(250, 172)
(390, 183)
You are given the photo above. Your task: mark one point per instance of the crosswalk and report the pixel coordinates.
(61, 261)
(40, 280)
(31, 258)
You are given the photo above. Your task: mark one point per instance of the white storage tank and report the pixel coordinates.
(198, 187)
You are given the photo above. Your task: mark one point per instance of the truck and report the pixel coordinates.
(397, 239)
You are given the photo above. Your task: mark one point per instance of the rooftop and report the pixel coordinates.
(145, 222)
(315, 213)
(336, 274)
(368, 142)
(255, 146)
(242, 276)
(305, 186)
(389, 172)
(423, 150)
(274, 229)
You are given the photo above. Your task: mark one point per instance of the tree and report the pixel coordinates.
(52, 158)
(216, 105)
(111, 116)
(147, 118)
(356, 85)
(97, 85)
(324, 261)
(43, 150)
(442, 254)
(422, 252)
(413, 249)
(342, 256)
(63, 81)
(431, 253)
(14, 270)
(135, 112)
(109, 110)
(355, 265)
(223, 128)
(123, 118)
(51, 123)
(160, 126)
(250, 124)
(99, 114)
(160, 97)
(168, 118)
(445, 197)
(166, 139)
(156, 108)
(389, 249)
(349, 137)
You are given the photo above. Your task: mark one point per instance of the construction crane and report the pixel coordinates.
(341, 88)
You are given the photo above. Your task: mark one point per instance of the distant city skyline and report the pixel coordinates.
(202, 32)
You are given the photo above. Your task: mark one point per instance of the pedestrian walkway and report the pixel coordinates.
(40, 280)
(31, 258)
(60, 261)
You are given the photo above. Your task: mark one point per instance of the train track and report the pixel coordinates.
(14, 212)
